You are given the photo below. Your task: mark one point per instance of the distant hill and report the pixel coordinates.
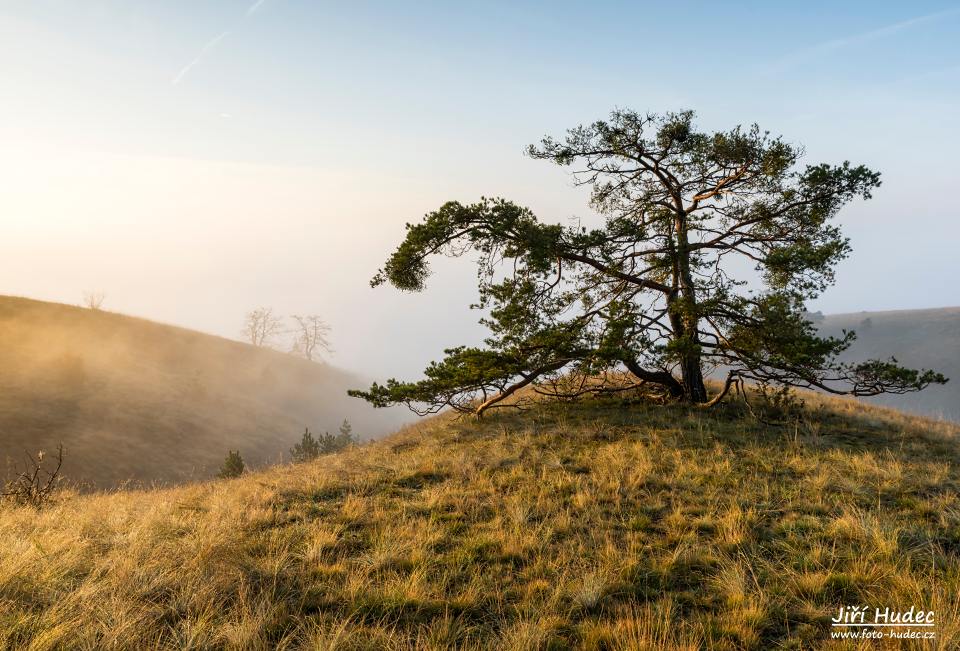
(917, 338)
(131, 399)
(602, 524)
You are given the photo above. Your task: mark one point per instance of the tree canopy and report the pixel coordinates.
(654, 298)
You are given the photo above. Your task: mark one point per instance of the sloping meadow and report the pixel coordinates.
(601, 525)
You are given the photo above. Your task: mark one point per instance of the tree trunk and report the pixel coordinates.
(694, 390)
(688, 331)
(692, 387)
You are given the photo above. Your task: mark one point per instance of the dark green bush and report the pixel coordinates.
(232, 465)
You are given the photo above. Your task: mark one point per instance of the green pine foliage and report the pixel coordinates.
(232, 466)
(344, 437)
(652, 293)
(310, 447)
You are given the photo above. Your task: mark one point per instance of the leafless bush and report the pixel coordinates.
(93, 300)
(36, 483)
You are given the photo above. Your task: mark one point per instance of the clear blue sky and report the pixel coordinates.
(195, 159)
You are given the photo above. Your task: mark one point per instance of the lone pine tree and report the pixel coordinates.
(233, 465)
(656, 290)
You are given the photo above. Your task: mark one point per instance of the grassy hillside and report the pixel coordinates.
(598, 526)
(918, 338)
(133, 399)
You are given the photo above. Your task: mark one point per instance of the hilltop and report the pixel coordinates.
(598, 525)
(918, 339)
(131, 399)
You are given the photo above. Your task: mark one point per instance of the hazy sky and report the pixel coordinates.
(195, 159)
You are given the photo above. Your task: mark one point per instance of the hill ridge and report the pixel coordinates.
(597, 525)
(924, 338)
(135, 399)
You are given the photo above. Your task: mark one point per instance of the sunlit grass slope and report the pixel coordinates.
(133, 399)
(598, 526)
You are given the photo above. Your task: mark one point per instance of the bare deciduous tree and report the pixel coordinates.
(310, 336)
(261, 326)
(93, 300)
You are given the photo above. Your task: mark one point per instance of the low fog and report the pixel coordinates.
(133, 400)
(199, 244)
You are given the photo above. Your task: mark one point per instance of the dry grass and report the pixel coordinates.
(596, 526)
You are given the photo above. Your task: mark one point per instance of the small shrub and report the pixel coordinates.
(232, 465)
(93, 300)
(36, 483)
(779, 404)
